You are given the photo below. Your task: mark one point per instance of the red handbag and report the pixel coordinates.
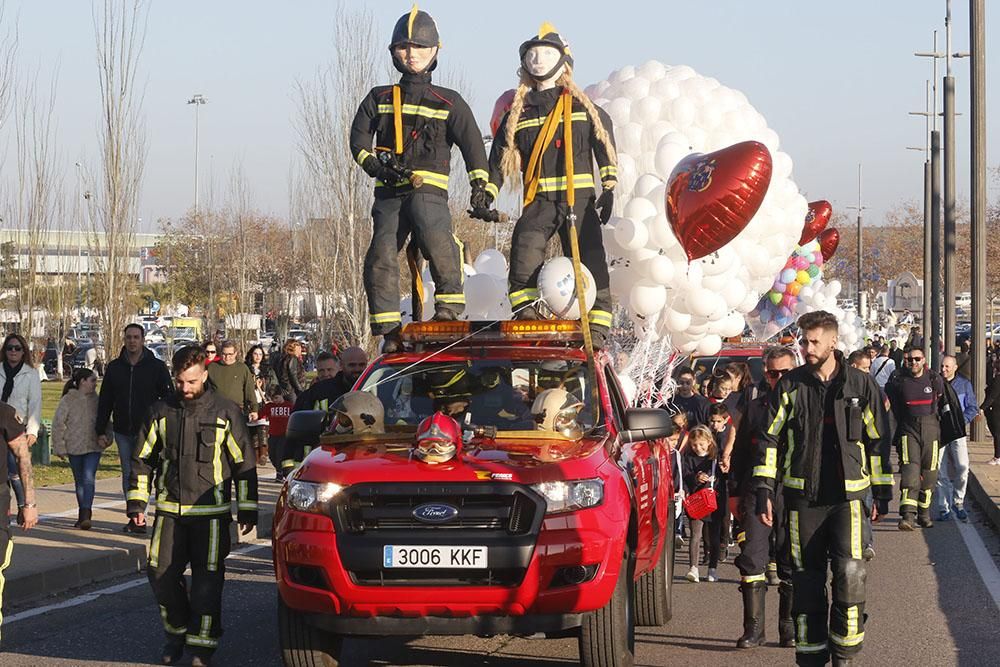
(704, 501)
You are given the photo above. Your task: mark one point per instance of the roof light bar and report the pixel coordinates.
(512, 330)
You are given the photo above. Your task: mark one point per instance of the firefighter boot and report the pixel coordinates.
(444, 314)
(786, 626)
(392, 342)
(842, 662)
(753, 614)
(528, 313)
(173, 650)
(924, 518)
(201, 659)
(906, 522)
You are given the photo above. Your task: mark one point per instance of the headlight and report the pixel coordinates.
(567, 496)
(311, 497)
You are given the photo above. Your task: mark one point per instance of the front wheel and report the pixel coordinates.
(654, 589)
(607, 636)
(302, 645)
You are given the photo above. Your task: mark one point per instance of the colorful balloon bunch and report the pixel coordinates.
(777, 309)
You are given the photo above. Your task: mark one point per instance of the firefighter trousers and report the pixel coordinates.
(6, 547)
(918, 447)
(760, 544)
(203, 542)
(539, 221)
(822, 538)
(424, 215)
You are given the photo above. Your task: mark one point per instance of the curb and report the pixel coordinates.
(109, 564)
(984, 500)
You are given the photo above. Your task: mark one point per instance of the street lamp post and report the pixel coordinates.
(928, 237)
(977, 44)
(859, 208)
(197, 100)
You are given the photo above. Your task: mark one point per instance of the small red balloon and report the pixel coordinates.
(712, 197)
(500, 107)
(828, 239)
(816, 221)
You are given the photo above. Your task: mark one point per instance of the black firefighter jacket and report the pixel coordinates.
(432, 119)
(195, 451)
(793, 438)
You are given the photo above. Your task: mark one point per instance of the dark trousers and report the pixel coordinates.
(822, 538)
(538, 222)
(195, 614)
(424, 215)
(760, 544)
(918, 447)
(6, 546)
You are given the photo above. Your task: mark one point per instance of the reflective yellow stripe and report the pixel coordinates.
(523, 295)
(869, 419)
(935, 455)
(213, 546)
(904, 452)
(611, 170)
(925, 498)
(203, 638)
(288, 463)
(158, 426)
(853, 637)
(905, 499)
(171, 507)
(235, 453)
(323, 405)
(791, 482)
(450, 298)
(461, 258)
(434, 178)
(492, 189)
(362, 156)
(141, 490)
(856, 529)
(479, 174)
(846, 641)
(170, 629)
(538, 122)
(416, 110)
(750, 578)
(785, 409)
(558, 183)
(741, 537)
(770, 467)
(600, 318)
(793, 534)
(382, 318)
(852, 485)
(878, 477)
(801, 646)
(154, 547)
(772, 566)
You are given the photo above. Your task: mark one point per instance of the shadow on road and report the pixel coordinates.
(396, 653)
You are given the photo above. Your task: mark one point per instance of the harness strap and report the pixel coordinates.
(397, 118)
(533, 173)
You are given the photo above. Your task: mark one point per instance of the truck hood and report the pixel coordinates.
(523, 461)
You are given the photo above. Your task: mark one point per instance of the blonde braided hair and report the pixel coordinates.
(510, 161)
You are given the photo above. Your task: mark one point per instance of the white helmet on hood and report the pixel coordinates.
(558, 410)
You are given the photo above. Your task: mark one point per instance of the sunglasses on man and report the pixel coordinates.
(13, 348)
(776, 374)
(913, 360)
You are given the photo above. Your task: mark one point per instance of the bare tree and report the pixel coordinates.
(8, 59)
(120, 31)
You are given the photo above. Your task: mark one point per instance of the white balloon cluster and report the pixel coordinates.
(661, 114)
(485, 290)
(821, 295)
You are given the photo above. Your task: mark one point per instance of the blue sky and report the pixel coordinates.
(834, 79)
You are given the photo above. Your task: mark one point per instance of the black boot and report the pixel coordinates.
(753, 614)
(598, 336)
(444, 314)
(786, 626)
(527, 313)
(173, 650)
(906, 522)
(83, 523)
(842, 662)
(392, 342)
(924, 519)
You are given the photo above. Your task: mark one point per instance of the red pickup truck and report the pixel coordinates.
(526, 531)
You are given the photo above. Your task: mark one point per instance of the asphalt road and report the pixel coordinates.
(927, 603)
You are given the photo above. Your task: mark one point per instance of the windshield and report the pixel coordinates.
(183, 332)
(706, 366)
(493, 392)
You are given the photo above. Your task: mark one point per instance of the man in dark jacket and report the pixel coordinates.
(132, 383)
(823, 434)
(322, 394)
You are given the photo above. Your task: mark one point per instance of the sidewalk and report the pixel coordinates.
(54, 557)
(984, 481)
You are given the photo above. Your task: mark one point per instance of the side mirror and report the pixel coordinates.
(646, 424)
(305, 427)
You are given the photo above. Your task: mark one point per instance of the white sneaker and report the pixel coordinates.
(713, 574)
(993, 462)
(693, 576)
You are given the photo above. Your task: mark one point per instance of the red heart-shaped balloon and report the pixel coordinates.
(828, 239)
(500, 107)
(816, 220)
(711, 197)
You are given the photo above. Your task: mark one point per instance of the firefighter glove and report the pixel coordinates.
(605, 203)
(377, 170)
(485, 214)
(480, 198)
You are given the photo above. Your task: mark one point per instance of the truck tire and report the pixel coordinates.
(303, 645)
(654, 589)
(607, 636)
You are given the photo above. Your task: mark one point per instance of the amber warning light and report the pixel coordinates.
(509, 330)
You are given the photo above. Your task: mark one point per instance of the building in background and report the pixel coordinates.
(65, 254)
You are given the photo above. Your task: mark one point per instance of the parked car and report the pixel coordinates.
(89, 354)
(523, 531)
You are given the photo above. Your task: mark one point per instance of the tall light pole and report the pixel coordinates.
(197, 100)
(977, 42)
(928, 237)
(859, 208)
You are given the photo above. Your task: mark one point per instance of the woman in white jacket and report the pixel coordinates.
(73, 435)
(20, 388)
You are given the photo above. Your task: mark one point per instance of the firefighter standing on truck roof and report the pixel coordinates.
(823, 434)
(915, 395)
(195, 447)
(762, 547)
(414, 125)
(557, 174)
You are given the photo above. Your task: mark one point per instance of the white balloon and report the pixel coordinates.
(646, 110)
(733, 293)
(482, 292)
(630, 234)
(651, 70)
(647, 298)
(660, 233)
(733, 325)
(708, 346)
(469, 270)
(676, 321)
(660, 270)
(620, 109)
(639, 208)
(491, 261)
(557, 286)
(646, 184)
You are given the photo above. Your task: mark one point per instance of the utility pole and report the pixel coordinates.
(197, 100)
(977, 42)
(928, 238)
(933, 333)
(859, 208)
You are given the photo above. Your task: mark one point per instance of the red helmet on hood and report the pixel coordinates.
(439, 439)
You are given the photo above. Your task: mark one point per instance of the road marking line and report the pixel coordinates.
(111, 590)
(985, 565)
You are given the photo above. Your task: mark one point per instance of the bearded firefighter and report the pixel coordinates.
(549, 140)
(402, 136)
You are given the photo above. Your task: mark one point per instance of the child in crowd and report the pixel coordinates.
(676, 440)
(721, 424)
(73, 435)
(699, 464)
(276, 412)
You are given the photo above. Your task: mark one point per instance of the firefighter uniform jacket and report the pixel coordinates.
(429, 121)
(538, 104)
(196, 450)
(794, 435)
